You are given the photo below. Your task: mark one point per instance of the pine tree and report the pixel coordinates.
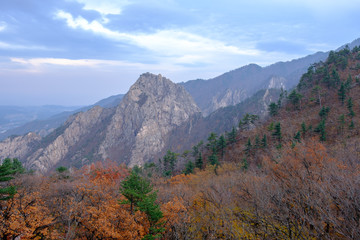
(277, 131)
(352, 125)
(212, 142)
(199, 161)
(295, 98)
(273, 109)
(248, 147)
(297, 136)
(324, 112)
(8, 169)
(321, 129)
(169, 162)
(271, 126)
(350, 107)
(303, 128)
(342, 122)
(257, 141)
(264, 141)
(342, 93)
(140, 195)
(348, 83)
(231, 137)
(221, 144)
(335, 78)
(189, 167)
(245, 164)
(214, 159)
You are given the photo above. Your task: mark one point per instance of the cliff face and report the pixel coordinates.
(149, 111)
(133, 133)
(19, 147)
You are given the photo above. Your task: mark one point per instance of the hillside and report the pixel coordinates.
(302, 181)
(294, 176)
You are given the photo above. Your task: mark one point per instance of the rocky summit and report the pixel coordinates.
(134, 132)
(149, 111)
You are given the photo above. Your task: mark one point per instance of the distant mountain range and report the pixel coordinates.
(42, 120)
(235, 86)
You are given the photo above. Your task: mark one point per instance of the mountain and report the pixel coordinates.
(237, 85)
(50, 119)
(222, 120)
(132, 133)
(15, 116)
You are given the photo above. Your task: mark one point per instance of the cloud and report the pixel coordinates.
(7, 46)
(173, 43)
(2, 26)
(37, 62)
(104, 7)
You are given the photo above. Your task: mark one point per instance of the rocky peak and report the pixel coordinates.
(149, 111)
(134, 132)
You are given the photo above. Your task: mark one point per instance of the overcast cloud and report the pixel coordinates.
(75, 52)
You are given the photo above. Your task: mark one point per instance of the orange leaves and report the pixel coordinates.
(107, 170)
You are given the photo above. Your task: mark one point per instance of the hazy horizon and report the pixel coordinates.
(77, 52)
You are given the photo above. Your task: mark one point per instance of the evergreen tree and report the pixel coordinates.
(214, 159)
(273, 109)
(324, 112)
(335, 78)
(271, 126)
(245, 164)
(321, 130)
(248, 147)
(140, 195)
(169, 162)
(199, 161)
(295, 98)
(247, 119)
(8, 169)
(348, 83)
(342, 93)
(350, 107)
(221, 144)
(277, 131)
(257, 141)
(281, 97)
(303, 128)
(212, 142)
(352, 125)
(342, 122)
(231, 137)
(327, 78)
(264, 141)
(297, 136)
(319, 93)
(189, 167)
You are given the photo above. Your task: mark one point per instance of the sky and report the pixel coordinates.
(76, 52)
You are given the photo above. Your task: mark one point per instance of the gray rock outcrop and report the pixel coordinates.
(134, 132)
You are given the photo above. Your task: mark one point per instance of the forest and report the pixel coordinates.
(294, 175)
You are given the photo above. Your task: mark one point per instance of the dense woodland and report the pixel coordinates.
(295, 175)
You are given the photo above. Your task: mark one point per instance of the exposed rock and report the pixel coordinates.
(134, 132)
(18, 147)
(277, 82)
(78, 128)
(149, 111)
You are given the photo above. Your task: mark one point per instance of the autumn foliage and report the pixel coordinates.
(296, 176)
